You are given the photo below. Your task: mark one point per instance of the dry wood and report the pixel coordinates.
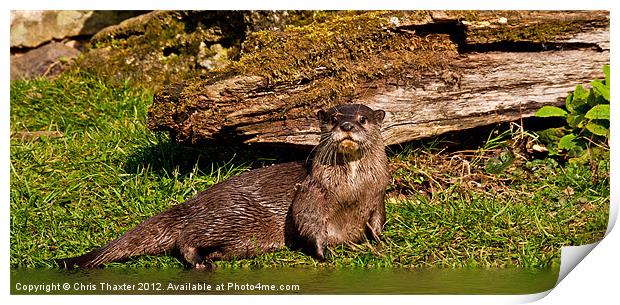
(494, 87)
(489, 83)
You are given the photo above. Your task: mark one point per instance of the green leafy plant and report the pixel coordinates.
(587, 120)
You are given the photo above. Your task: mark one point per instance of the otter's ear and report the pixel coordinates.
(379, 115)
(322, 115)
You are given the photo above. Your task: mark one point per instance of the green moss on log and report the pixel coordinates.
(530, 26)
(163, 47)
(339, 54)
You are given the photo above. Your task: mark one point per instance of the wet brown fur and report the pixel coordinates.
(336, 198)
(342, 200)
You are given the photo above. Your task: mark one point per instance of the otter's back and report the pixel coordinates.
(266, 187)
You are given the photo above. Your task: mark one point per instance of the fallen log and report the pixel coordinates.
(432, 72)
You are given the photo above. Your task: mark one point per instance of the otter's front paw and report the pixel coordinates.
(319, 252)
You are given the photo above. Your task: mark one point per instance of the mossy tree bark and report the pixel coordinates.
(432, 72)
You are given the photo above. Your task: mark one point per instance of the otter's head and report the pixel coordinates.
(351, 129)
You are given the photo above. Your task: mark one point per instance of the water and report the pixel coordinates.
(283, 281)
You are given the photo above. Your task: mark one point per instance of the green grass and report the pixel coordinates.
(108, 172)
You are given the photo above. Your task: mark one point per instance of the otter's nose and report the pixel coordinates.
(346, 126)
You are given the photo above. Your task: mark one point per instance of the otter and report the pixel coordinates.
(336, 197)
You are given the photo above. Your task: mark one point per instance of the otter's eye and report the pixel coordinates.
(334, 120)
(362, 120)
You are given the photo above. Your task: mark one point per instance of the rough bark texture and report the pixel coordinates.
(432, 72)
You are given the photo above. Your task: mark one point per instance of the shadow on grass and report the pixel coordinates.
(165, 156)
(471, 139)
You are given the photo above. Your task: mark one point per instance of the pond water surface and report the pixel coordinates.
(283, 281)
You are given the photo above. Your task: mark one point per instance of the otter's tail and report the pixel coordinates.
(156, 235)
